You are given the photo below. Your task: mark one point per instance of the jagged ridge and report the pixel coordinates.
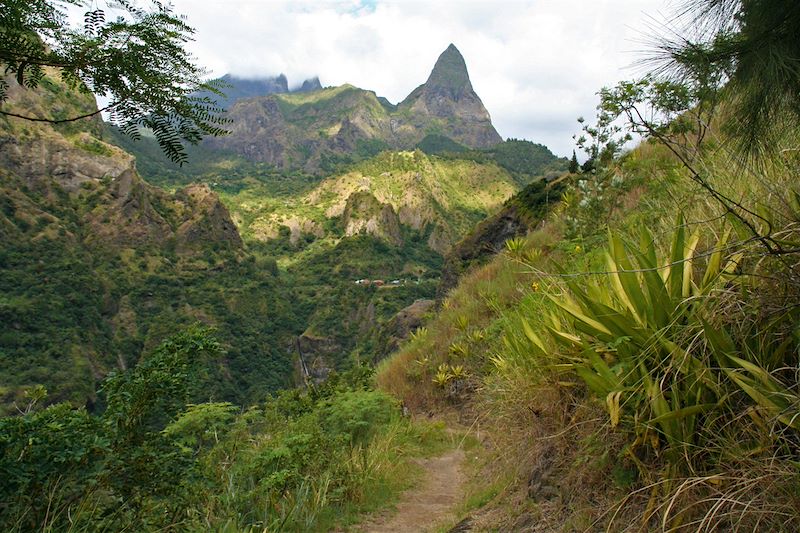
(302, 130)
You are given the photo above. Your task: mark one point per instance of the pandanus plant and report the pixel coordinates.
(642, 338)
(632, 329)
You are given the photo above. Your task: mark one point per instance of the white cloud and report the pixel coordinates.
(535, 64)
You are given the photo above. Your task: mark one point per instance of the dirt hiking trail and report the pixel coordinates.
(427, 505)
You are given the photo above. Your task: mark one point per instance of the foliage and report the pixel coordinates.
(302, 459)
(131, 54)
(633, 333)
(573, 164)
(436, 144)
(525, 158)
(749, 46)
(60, 458)
(200, 425)
(601, 141)
(357, 415)
(662, 355)
(75, 310)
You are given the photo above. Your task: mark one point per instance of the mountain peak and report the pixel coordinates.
(309, 85)
(448, 95)
(450, 73)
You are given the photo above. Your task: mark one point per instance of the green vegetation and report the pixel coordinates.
(223, 171)
(631, 362)
(438, 144)
(303, 460)
(78, 303)
(524, 160)
(672, 375)
(745, 53)
(318, 264)
(136, 58)
(637, 351)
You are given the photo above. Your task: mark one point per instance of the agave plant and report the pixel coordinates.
(462, 322)
(458, 349)
(475, 336)
(419, 333)
(515, 246)
(442, 376)
(751, 373)
(458, 372)
(629, 335)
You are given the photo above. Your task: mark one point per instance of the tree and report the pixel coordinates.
(751, 46)
(740, 55)
(135, 58)
(54, 461)
(573, 164)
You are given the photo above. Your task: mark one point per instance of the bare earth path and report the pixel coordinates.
(423, 507)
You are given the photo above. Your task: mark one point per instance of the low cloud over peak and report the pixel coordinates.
(536, 65)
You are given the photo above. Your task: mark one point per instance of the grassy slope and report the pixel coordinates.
(456, 194)
(554, 459)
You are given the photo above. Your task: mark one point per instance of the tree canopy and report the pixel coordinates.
(751, 46)
(129, 52)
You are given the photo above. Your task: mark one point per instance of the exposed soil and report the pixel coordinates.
(427, 505)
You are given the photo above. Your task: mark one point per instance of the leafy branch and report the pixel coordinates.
(137, 59)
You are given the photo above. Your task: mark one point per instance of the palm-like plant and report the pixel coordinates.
(627, 331)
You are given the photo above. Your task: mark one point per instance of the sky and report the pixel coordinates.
(537, 65)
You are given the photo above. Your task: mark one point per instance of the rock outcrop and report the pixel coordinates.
(309, 85)
(448, 96)
(115, 205)
(363, 213)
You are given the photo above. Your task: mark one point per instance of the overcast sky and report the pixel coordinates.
(536, 64)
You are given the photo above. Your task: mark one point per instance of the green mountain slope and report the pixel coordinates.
(388, 217)
(631, 361)
(98, 265)
(439, 198)
(314, 130)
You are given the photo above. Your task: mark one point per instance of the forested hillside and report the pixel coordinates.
(350, 315)
(99, 266)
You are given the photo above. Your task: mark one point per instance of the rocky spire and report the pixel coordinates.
(448, 95)
(449, 75)
(309, 85)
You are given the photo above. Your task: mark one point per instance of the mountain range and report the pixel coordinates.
(262, 235)
(304, 130)
(236, 88)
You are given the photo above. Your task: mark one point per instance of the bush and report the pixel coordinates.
(357, 414)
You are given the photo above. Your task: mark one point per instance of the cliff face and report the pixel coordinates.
(448, 97)
(298, 130)
(312, 125)
(71, 168)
